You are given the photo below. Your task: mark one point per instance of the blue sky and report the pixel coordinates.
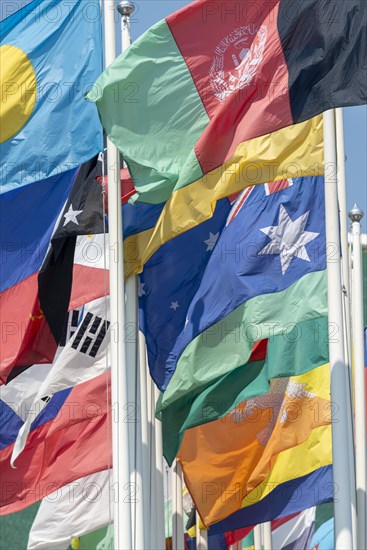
(149, 12)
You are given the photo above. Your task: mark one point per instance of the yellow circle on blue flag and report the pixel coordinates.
(18, 90)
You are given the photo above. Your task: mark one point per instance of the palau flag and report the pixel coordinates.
(265, 277)
(202, 105)
(51, 53)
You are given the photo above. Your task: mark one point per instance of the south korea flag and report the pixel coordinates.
(85, 356)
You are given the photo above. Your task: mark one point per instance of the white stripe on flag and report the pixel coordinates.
(293, 529)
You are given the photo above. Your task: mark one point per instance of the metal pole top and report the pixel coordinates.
(356, 214)
(125, 8)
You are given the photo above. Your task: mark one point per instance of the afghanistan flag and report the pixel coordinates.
(188, 95)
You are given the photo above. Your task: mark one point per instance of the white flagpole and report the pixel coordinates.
(159, 475)
(341, 466)
(201, 536)
(144, 437)
(268, 544)
(355, 216)
(342, 199)
(139, 484)
(257, 537)
(119, 397)
(152, 464)
(178, 542)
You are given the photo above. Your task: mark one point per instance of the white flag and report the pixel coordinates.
(74, 510)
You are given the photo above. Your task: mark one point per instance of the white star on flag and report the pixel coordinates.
(174, 305)
(211, 242)
(141, 291)
(70, 215)
(288, 239)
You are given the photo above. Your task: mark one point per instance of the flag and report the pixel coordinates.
(224, 79)
(83, 358)
(323, 539)
(51, 53)
(289, 533)
(82, 216)
(294, 152)
(27, 218)
(233, 459)
(15, 528)
(365, 364)
(294, 533)
(71, 423)
(168, 284)
(282, 499)
(75, 270)
(272, 266)
(364, 274)
(74, 510)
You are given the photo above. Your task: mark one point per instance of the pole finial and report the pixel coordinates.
(125, 8)
(356, 214)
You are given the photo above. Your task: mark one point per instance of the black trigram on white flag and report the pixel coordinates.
(70, 327)
(91, 334)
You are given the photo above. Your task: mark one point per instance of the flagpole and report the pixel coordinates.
(119, 397)
(341, 466)
(268, 544)
(257, 537)
(159, 474)
(144, 437)
(201, 536)
(139, 522)
(355, 216)
(342, 200)
(178, 542)
(152, 463)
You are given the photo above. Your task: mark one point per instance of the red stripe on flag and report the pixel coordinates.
(238, 205)
(89, 283)
(71, 446)
(239, 71)
(279, 185)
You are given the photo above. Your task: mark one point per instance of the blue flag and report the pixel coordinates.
(168, 284)
(50, 56)
(272, 240)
